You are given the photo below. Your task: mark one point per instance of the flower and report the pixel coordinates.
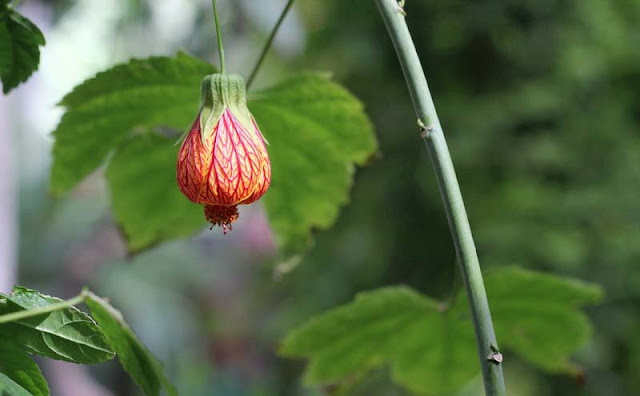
(223, 161)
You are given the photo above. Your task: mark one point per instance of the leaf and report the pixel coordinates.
(431, 349)
(157, 91)
(144, 195)
(426, 351)
(536, 315)
(20, 40)
(17, 366)
(136, 359)
(66, 334)
(317, 131)
(9, 387)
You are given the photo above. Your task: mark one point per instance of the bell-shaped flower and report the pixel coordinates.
(223, 161)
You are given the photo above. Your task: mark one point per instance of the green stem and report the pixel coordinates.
(219, 36)
(12, 317)
(284, 13)
(393, 16)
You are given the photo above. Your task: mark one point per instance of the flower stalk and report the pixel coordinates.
(393, 15)
(218, 36)
(267, 45)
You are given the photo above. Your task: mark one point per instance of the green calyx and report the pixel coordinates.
(219, 92)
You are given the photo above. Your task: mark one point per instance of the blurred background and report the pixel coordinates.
(540, 101)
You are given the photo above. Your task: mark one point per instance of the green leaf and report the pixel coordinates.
(317, 131)
(9, 387)
(536, 315)
(431, 349)
(427, 351)
(136, 359)
(66, 334)
(20, 40)
(5, 48)
(145, 198)
(102, 111)
(17, 366)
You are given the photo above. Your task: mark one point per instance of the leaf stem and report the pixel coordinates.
(219, 36)
(267, 45)
(27, 313)
(394, 18)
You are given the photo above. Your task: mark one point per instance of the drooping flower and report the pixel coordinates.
(223, 161)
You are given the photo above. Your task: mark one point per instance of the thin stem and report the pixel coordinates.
(11, 317)
(267, 46)
(393, 16)
(219, 36)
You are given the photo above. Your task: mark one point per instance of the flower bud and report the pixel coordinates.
(223, 161)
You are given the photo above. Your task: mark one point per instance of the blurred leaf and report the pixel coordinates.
(317, 131)
(431, 349)
(17, 366)
(66, 334)
(9, 387)
(537, 316)
(136, 359)
(144, 195)
(19, 48)
(427, 351)
(104, 109)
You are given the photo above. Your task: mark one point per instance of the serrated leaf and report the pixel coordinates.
(157, 91)
(66, 334)
(136, 359)
(16, 365)
(145, 198)
(431, 349)
(536, 315)
(396, 325)
(317, 132)
(20, 42)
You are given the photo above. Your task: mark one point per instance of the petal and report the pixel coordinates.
(264, 167)
(191, 163)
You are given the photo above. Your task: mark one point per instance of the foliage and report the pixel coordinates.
(430, 346)
(538, 101)
(20, 42)
(69, 335)
(144, 196)
(316, 129)
(19, 375)
(136, 359)
(56, 329)
(106, 109)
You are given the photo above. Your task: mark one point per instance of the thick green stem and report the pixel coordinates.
(219, 36)
(490, 359)
(267, 45)
(12, 317)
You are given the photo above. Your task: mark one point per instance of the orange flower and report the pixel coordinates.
(223, 161)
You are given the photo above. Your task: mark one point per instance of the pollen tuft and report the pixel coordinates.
(221, 216)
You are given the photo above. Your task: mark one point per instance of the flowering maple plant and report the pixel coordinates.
(223, 161)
